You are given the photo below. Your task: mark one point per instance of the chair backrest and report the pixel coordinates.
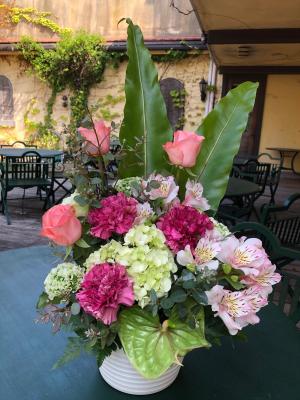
(276, 164)
(287, 295)
(19, 144)
(256, 172)
(284, 224)
(30, 167)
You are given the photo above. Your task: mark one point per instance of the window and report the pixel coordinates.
(6, 102)
(174, 95)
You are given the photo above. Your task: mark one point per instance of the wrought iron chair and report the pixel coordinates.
(30, 170)
(19, 144)
(287, 295)
(274, 175)
(284, 223)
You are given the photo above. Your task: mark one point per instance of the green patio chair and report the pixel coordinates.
(279, 254)
(287, 295)
(283, 222)
(30, 170)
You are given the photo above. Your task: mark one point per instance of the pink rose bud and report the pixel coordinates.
(60, 225)
(96, 143)
(184, 149)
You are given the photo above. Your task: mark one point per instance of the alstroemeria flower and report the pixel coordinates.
(144, 213)
(166, 190)
(202, 256)
(247, 255)
(265, 279)
(236, 309)
(193, 196)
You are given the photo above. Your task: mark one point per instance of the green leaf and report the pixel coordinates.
(81, 201)
(222, 129)
(178, 295)
(151, 347)
(82, 243)
(43, 300)
(145, 127)
(72, 350)
(75, 308)
(237, 285)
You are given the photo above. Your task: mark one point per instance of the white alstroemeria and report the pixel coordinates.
(166, 190)
(144, 213)
(204, 255)
(193, 196)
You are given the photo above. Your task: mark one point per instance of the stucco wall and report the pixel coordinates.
(281, 119)
(29, 90)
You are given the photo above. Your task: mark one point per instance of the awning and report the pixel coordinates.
(251, 32)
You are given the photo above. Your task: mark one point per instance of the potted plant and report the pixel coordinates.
(148, 274)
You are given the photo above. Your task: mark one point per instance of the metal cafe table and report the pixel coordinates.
(264, 368)
(14, 152)
(287, 153)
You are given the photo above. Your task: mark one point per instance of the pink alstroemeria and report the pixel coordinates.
(247, 255)
(266, 278)
(236, 309)
(203, 256)
(167, 189)
(193, 196)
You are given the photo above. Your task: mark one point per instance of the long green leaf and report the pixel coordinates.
(145, 127)
(222, 129)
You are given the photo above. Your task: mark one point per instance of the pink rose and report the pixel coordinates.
(184, 149)
(96, 145)
(60, 225)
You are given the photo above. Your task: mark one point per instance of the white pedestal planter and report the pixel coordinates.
(117, 371)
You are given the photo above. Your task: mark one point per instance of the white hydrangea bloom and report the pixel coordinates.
(147, 259)
(63, 280)
(80, 211)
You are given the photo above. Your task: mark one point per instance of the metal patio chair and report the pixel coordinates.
(283, 222)
(30, 170)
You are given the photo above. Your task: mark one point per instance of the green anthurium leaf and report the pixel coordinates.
(145, 127)
(153, 347)
(222, 129)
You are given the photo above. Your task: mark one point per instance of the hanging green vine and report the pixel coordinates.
(77, 63)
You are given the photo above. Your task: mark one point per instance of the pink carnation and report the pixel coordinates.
(182, 226)
(116, 215)
(103, 289)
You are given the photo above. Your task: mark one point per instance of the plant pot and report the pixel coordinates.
(118, 372)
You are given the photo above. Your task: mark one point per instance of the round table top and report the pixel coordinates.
(241, 187)
(13, 152)
(263, 368)
(283, 149)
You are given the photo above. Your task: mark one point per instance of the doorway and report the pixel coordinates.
(251, 137)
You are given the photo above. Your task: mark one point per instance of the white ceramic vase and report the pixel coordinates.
(118, 372)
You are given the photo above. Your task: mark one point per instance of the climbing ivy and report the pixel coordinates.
(77, 63)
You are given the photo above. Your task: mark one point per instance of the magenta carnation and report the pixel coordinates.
(103, 289)
(116, 215)
(183, 225)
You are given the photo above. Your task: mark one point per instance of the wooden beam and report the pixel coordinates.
(253, 36)
(279, 70)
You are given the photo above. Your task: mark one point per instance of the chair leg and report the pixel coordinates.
(5, 208)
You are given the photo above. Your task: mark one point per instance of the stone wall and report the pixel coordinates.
(30, 94)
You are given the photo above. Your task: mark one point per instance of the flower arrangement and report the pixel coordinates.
(147, 268)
